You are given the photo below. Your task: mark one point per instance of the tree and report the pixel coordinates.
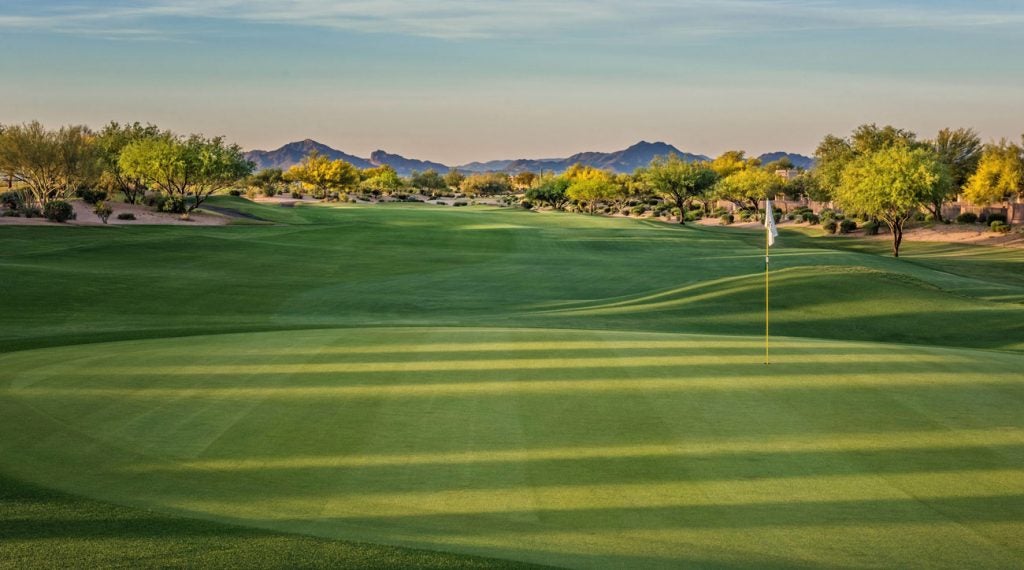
(552, 191)
(453, 179)
(960, 150)
(487, 184)
(749, 186)
(784, 163)
(893, 183)
(591, 190)
(269, 181)
(111, 141)
(731, 162)
(382, 179)
(52, 165)
(188, 170)
(834, 153)
(524, 180)
(679, 181)
(321, 175)
(427, 180)
(1000, 174)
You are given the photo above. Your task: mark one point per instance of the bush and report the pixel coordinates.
(90, 196)
(726, 219)
(1000, 227)
(871, 228)
(296, 195)
(811, 218)
(12, 200)
(9, 214)
(58, 211)
(103, 210)
(32, 212)
(126, 216)
(967, 218)
(460, 203)
(929, 217)
(719, 212)
(996, 218)
(638, 210)
(830, 226)
(691, 216)
(234, 192)
(526, 204)
(746, 215)
(847, 226)
(172, 205)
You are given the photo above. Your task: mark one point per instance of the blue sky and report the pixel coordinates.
(460, 80)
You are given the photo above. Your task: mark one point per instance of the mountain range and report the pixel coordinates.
(626, 160)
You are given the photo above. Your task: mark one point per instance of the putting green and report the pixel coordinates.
(575, 448)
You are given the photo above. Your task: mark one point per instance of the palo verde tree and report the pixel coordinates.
(679, 182)
(960, 150)
(52, 165)
(748, 187)
(268, 181)
(892, 184)
(453, 179)
(381, 180)
(321, 176)
(1000, 174)
(486, 184)
(552, 192)
(188, 170)
(111, 141)
(834, 153)
(428, 180)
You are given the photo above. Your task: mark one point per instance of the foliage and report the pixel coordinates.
(592, 188)
(321, 175)
(834, 154)
(486, 184)
(187, 170)
(126, 216)
(999, 226)
(103, 211)
(830, 226)
(552, 191)
(679, 181)
(1000, 174)
(892, 183)
(58, 211)
(52, 165)
(967, 218)
(111, 142)
(91, 196)
(524, 180)
(453, 179)
(847, 226)
(428, 180)
(12, 199)
(726, 219)
(381, 180)
(749, 186)
(269, 181)
(731, 162)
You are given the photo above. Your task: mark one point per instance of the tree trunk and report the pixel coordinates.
(936, 209)
(897, 237)
(682, 211)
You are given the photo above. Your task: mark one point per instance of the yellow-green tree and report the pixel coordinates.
(592, 190)
(1000, 174)
(749, 187)
(678, 181)
(52, 164)
(892, 184)
(321, 175)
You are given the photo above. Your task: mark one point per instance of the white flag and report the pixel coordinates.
(769, 222)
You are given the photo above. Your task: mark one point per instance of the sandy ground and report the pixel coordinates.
(960, 233)
(143, 216)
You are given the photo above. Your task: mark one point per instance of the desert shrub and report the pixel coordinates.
(12, 200)
(967, 218)
(996, 218)
(58, 211)
(638, 210)
(999, 227)
(32, 212)
(269, 190)
(719, 212)
(811, 218)
(830, 226)
(692, 216)
(847, 226)
(677, 212)
(871, 228)
(726, 219)
(746, 215)
(126, 216)
(103, 211)
(929, 217)
(234, 192)
(9, 214)
(460, 203)
(172, 205)
(526, 204)
(90, 196)
(296, 194)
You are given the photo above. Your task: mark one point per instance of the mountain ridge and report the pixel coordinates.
(622, 161)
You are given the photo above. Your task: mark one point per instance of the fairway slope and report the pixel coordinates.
(576, 448)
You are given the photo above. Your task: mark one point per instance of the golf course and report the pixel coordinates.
(411, 385)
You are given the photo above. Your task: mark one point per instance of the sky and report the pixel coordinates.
(462, 80)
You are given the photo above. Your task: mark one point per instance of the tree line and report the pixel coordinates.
(883, 172)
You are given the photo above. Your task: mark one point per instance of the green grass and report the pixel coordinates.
(541, 388)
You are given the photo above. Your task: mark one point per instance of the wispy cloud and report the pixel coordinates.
(481, 19)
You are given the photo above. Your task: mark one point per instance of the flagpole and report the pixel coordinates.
(767, 244)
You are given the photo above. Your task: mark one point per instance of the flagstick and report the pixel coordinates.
(766, 245)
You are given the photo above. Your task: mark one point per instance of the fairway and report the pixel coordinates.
(546, 388)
